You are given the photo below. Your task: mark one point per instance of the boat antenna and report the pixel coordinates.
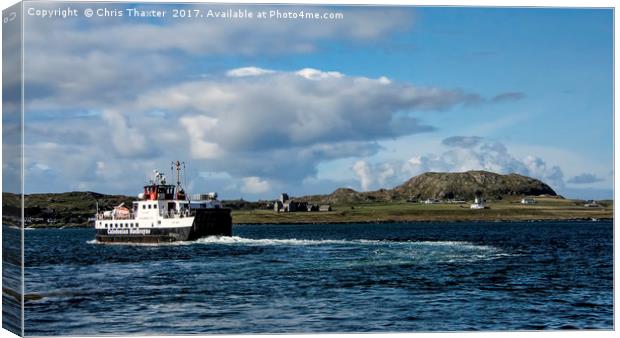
(178, 166)
(185, 179)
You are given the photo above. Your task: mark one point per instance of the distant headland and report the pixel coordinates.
(465, 196)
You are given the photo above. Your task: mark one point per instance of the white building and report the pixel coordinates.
(528, 200)
(479, 203)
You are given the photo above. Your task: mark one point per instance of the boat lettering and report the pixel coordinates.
(129, 231)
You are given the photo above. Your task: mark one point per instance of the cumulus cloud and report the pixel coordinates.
(254, 185)
(248, 71)
(375, 175)
(462, 153)
(127, 141)
(271, 109)
(275, 126)
(362, 170)
(476, 153)
(251, 122)
(585, 178)
(315, 74)
(197, 127)
(280, 126)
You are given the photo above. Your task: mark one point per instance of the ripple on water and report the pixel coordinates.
(325, 278)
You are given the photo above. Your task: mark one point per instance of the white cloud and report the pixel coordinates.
(379, 175)
(539, 168)
(197, 127)
(127, 141)
(254, 185)
(459, 154)
(362, 170)
(477, 153)
(248, 71)
(275, 125)
(270, 110)
(315, 74)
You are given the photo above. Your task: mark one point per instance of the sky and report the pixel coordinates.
(256, 107)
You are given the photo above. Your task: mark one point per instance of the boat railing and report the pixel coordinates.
(168, 214)
(102, 216)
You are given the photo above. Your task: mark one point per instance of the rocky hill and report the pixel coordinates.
(460, 186)
(468, 184)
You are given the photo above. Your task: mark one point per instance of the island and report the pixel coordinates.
(445, 197)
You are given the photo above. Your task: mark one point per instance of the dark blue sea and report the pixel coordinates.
(326, 278)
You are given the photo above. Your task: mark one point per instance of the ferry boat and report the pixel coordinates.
(163, 213)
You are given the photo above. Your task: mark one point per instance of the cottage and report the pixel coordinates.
(591, 204)
(325, 207)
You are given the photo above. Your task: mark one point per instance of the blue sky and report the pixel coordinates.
(258, 108)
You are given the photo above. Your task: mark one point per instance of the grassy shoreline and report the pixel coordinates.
(546, 209)
(435, 221)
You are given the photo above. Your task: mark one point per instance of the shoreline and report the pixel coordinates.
(529, 220)
(443, 221)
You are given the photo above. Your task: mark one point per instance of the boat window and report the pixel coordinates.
(149, 206)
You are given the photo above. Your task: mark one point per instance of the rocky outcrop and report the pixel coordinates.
(467, 185)
(459, 186)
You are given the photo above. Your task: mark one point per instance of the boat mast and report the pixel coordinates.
(177, 165)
